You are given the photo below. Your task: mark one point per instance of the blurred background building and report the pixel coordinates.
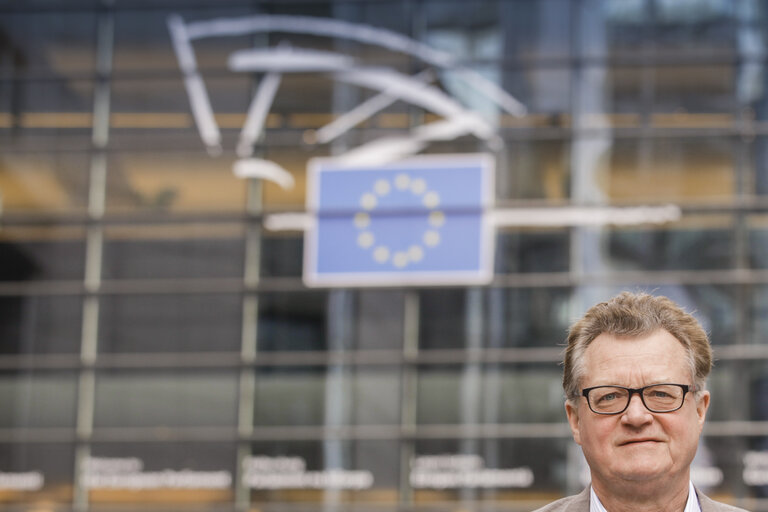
(159, 350)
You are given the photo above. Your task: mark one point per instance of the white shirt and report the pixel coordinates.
(692, 505)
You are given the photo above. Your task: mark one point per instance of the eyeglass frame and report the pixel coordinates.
(685, 387)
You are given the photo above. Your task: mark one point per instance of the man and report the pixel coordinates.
(634, 376)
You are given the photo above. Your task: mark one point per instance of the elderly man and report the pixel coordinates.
(634, 376)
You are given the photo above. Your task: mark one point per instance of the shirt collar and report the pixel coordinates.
(692, 505)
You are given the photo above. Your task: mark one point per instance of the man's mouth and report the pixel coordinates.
(638, 441)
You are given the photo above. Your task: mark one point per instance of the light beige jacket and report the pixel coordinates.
(580, 503)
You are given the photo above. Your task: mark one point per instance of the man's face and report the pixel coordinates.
(637, 445)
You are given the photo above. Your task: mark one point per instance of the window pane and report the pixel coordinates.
(533, 467)
(44, 182)
(701, 243)
(143, 42)
(341, 319)
(170, 323)
(53, 463)
(165, 399)
(59, 42)
(42, 253)
(373, 467)
(293, 396)
(537, 169)
(738, 391)
(668, 170)
(524, 250)
(196, 476)
(193, 250)
(40, 324)
(37, 399)
(489, 394)
(505, 318)
(173, 182)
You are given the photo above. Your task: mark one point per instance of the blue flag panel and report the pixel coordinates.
(420, 221)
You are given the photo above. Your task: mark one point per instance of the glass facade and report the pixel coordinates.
(159, 349)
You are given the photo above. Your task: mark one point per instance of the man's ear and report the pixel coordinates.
(702, 405)
(573, 420)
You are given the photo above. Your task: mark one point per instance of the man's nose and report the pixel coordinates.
(636, 413)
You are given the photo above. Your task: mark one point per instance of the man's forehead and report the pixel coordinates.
(659, 348)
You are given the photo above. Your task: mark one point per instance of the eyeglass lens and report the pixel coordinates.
(659, 398)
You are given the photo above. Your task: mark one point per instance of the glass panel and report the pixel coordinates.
(608, 27)
(757, 155)
(282, 255)
(368, 471)
(170, 323)
(534, 170)
(545, 92)
(757, 236)
(532, 251)
(738, 391)
(700, 28)
(198, 475)
(176, 398)
(143, 40)
(331, 321)
(42, 253)
(193, 250)
(37, 399)
(697, 243)
(44, 182)
(494, 318)
(42, 472)
(40, 324)
(675, 170)
(733, 468)
(293, 396)
(489, 394)
(692, 96)
(757, 314)
(48, 42)
(528, 470)
(173, 182)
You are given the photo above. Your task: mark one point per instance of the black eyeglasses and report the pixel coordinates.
(655, 398)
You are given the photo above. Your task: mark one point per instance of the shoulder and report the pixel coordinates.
(710, 505)
(576, 503)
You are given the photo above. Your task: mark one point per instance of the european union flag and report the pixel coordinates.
(419, 221)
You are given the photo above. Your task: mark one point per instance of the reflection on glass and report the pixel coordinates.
(165, 399)
(37, 399)
(170, 323)
(668, 170)
(324, 396)
(514, 317)
(489, 394)
(187, 474)
(526, 469)
(174, 251)
(709, 246)
(173, 182)
(44, 472)
(337, 320)
(40, 324)
(366, 471)
(52, 183)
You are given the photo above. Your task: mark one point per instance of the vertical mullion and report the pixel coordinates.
(408, 394)
(93, 256)
(249, 348)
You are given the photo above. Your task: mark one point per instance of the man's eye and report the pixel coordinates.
(607, 397)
